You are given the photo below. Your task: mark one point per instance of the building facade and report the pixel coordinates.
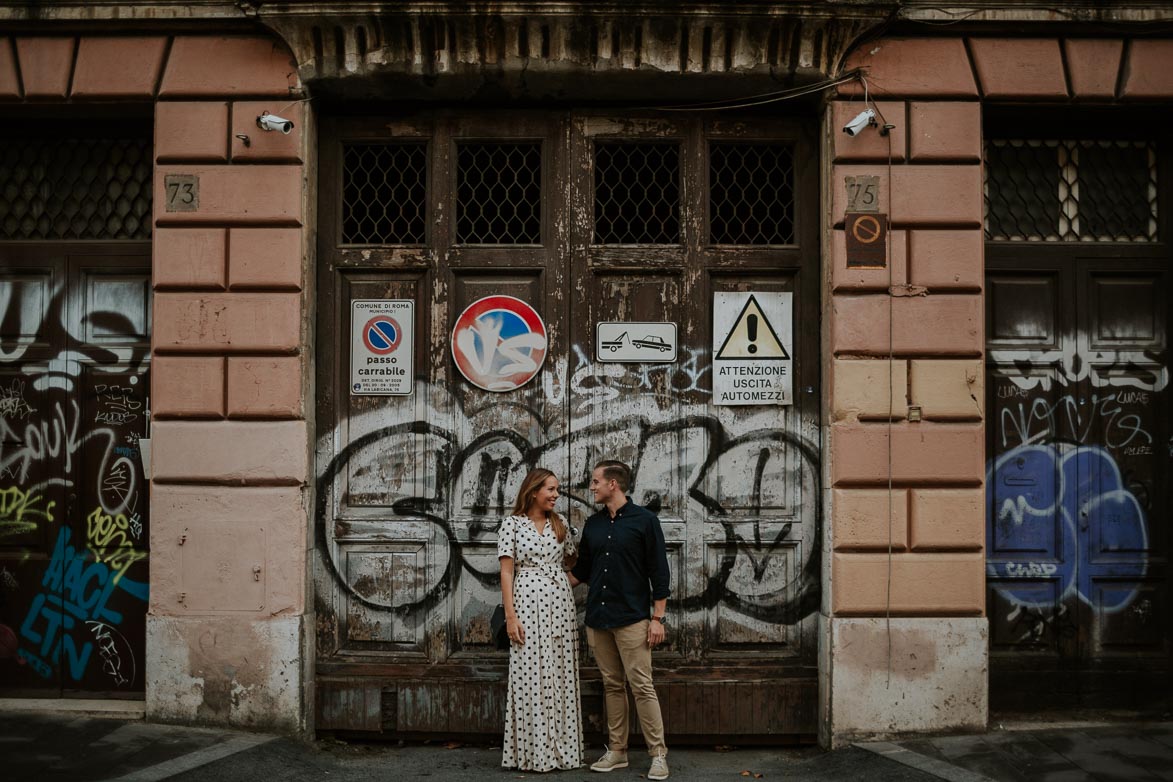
(899, 396)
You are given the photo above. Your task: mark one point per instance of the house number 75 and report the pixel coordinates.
(863, 193)
(182, 192)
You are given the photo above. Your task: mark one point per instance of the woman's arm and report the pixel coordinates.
(513, 627)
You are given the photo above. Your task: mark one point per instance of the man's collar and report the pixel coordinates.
(622, 509)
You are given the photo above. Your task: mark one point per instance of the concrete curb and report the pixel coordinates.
(76, 707)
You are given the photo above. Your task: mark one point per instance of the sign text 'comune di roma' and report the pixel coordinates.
(382, 346)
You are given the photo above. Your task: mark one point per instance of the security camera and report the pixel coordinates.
(269, 121)
(862, 120)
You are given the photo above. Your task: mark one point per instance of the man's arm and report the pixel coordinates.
(656, 561)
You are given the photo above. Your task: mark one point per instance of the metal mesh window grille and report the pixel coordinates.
(384, 193)
(637, 193)
(1071, 191)
(751, 193)
(499, 193)
(75, 188)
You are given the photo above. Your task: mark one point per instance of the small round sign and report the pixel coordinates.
(499, 343)
(382, 335)
(866, 229)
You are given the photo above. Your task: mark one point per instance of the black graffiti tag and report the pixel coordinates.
(786, 604)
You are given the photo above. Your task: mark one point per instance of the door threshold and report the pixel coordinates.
(76, 707)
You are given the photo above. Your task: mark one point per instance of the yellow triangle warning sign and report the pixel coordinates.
(752, 337)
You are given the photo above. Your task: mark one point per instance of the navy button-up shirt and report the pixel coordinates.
(626, 564)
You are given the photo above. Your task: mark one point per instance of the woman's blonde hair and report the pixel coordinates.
(529, 491)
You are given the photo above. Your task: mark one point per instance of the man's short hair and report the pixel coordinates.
(616, 471)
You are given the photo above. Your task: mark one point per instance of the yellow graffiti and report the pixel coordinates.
(107, 540)
(20, 511)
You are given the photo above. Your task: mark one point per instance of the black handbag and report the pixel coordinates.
(497, 628)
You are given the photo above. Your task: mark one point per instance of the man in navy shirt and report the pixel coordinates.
(623, 558)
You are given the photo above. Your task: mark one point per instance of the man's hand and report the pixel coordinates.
(656, 633)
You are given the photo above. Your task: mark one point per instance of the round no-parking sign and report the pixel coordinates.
(382, 346)
(382, 335)
(499, 343)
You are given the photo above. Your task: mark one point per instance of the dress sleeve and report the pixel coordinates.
(505, 539)
(582, 568)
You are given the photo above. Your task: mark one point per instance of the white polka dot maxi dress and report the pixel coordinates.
(543, 718)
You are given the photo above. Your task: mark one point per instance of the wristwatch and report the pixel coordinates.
(661, 619)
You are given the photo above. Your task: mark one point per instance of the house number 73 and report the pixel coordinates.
(182, 192)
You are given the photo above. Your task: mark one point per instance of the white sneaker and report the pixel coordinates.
(659, 769)
(610, 761)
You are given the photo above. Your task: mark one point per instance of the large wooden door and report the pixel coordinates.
(447, 208)
(1078, 488)
(74, 510)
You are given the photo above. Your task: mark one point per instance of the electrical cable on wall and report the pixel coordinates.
(761, 99)
(885, 130)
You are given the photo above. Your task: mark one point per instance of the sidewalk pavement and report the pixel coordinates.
(45, 747)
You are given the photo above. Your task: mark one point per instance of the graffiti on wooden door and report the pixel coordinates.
(1068, 483)
(73, 497)
(748, 457)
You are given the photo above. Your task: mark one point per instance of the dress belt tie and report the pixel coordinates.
(558, 577)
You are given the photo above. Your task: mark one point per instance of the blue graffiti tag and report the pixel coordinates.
(76, 590)
(1062, 512)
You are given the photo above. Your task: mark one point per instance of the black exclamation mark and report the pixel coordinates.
(751, 326)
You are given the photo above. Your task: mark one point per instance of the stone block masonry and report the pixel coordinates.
(229, 276)
(908, 551)
(916, 551)
(226, 637)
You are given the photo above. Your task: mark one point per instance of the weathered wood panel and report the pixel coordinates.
(411, 489)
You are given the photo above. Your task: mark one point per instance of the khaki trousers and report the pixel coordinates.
(623, 654)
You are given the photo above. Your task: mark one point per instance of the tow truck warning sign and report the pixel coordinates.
(753, 337)
(382, 346)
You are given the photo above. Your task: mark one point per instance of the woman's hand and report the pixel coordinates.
(514, 630)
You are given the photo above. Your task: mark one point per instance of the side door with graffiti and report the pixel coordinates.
(74, 402)
(1078, 487)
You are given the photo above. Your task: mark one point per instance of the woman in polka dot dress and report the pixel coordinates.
(543, 722)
